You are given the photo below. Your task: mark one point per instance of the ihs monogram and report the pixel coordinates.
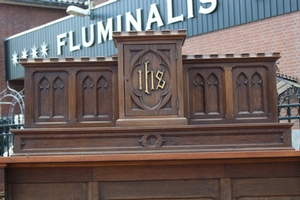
(158, 76)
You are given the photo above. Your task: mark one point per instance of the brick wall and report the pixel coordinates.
(15, 19)
(276, 34)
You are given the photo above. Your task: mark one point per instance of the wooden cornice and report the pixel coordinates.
(148, 35)
(152, 158)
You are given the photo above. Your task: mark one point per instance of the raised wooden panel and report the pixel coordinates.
(180, 189)
(266, 188)
(250, 92)
(220, 175)
(95, 95)
(50, 175)
(71, 94)
(149, 139)
(162, 172)
(150, 80)
(263, 169)
(48, 191)
(51, 96)
(206, 94)
(229, 91)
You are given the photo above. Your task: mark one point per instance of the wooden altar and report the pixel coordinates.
(152, 123)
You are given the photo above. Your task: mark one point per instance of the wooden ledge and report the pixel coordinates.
(237, 126)
(251, 156)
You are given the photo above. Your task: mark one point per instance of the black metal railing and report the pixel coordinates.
(6, 137)
(289, 111)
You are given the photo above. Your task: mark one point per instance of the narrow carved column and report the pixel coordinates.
(228, 92)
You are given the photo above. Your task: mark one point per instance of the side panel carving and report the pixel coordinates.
(95, 95)
(50, 96)
(206, 93)
(250, 91)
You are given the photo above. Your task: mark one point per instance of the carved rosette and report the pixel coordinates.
(152, 140)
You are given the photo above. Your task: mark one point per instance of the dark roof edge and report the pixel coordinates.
(32, 3)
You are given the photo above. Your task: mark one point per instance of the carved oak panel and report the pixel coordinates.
(50, 96)
(150, 80)
(94, 95)
(250, 92)
(206, 88)
(71, 94)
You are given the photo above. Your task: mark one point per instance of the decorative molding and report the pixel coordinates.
(152, 140)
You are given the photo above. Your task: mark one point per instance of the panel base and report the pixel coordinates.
(154, 139)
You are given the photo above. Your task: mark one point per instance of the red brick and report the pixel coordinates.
(280, 34)
(15, 19)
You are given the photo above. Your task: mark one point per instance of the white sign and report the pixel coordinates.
(104, 32)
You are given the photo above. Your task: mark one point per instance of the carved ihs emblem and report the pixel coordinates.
(148, 80)
(150, 83)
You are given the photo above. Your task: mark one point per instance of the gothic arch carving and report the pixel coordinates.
(199, 93)
(242, 93)
(257, 92)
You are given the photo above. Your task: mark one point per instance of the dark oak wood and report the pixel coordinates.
(71, 94)
(162, 139)
(152, 124)
(203, 157)
(150, 78)
(151, 84)
(270, 188)
(219, 175)
(227, 90)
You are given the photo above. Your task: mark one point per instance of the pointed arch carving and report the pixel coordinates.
(44, 97)
(102, 96)
(199, 93)
(257, 92)
(213, 94)
(88, 95)
(59, 97)
(95, 95)
(242, 93)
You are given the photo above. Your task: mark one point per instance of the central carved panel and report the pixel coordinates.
(149, 80)
(153, 84)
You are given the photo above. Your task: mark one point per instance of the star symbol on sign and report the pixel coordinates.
(44, 49)
(24, 53)
(15, 58)
(34, 52)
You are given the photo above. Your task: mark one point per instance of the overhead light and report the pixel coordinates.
(76, 11)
